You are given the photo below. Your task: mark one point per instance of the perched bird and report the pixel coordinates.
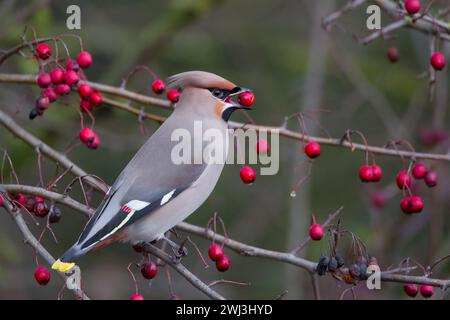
(152, 194)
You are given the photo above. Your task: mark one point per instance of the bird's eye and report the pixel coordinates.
(219, 93)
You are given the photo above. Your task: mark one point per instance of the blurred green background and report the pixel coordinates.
(279, 50)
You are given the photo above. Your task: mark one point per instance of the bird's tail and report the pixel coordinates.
(68, 259)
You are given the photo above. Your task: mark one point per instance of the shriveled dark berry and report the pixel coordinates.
(55, 215)
(332, 265)
(354, 270)
(340, 261)
(322, 265)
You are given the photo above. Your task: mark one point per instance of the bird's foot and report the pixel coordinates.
(179, 251)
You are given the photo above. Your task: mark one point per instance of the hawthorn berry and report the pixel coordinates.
(378, 200)
(86, 105)
(248, 175)
(173, 95)
(215, 252)
(138, 247)
(412, 6)
(431, 178)
(84, 90)
(72, 65)
(332, 265)
(71, 77)
(62, 89)
(42, 275)
(437, 61)
(40, 209)
(136, 297)
(42, 103)
(322, 265)
(86, 135)
(404, 205)
(149, 270)
(57, 75)
(316, 232)
(50, 94)
(223, 264)
(262, 146)
(403, 179)
(43, 51)
(96, 98)
(38, 199)
(426, 291)
(246, 99)
(419, 171)
(84, 59)
(20, 198)
(416, 204)
(158, 86)
(29, 203)
(33, 113)
(44, 80)
(312, 149)
(392, 54)
(94, 143)
(377, 173)
(366, 173)
(55, 215)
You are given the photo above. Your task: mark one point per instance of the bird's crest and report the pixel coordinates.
(199, 79)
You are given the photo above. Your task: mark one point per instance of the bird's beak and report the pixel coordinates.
(234, 104)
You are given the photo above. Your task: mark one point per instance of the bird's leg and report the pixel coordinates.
(179, 251)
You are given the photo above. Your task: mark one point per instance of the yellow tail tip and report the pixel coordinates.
(62, 266)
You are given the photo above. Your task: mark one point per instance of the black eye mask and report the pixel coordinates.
(222, 94)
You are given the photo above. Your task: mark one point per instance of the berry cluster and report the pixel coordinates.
(37, 206)
(215, 253)
(412, 289)
(330, 264)
(158, 87)
(372, 173)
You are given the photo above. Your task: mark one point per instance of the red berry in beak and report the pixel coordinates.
(403, 179)
(96, 98)
(158, 86)
(42, 275)
(223, 264)
(84, 90)
(426, 291)
(246, 99)
(43, 51)
(86, 135)
(392, 54)
(316, 232)
(136, 297)
(248, 175)
(438, 61)
(44, 80)
(71, 78)
(215, 252)
(431, 178)
(411, 289)
(312, 149)
(62, 89)
(366, 173)
(412, 6)
(57, 75)
(173, 95)
(84, 59)
(377, 173)
(262, 146)
(50, 94)
(149, 270)
(419, 171)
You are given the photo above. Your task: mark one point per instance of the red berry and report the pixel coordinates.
(149, 270)
(84, 59)
(38, 199)
(403, 179)
(20, 198)
(40, 209)
(43, 51)
(248, 175)
(50, 94)
(42, 103)
(158, 86)
(138, 247)
(412, 6)
(62, 89)
(215, 252)
(377, 173)
(262, 146)
(87, 135)
(57, 75)
(71, 77)
(94, 143)
(96, 98)
(411, 289)
(431, 178)
(392, 54)
(136, 297)
(312, 149)
(419, 171)
(415, 204)
(366, 173)
(223, 264)
(86, 105)
(29, 203)
(438, 61)
(426, 291)
(72, 65)
(1, 200)
(44, 80)
(84, 90)
(246, 99)
(173, 95)
(379, 200)
(405, 205)
(42, 275)
(316, 232)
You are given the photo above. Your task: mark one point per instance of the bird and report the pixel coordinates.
(152, 194)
